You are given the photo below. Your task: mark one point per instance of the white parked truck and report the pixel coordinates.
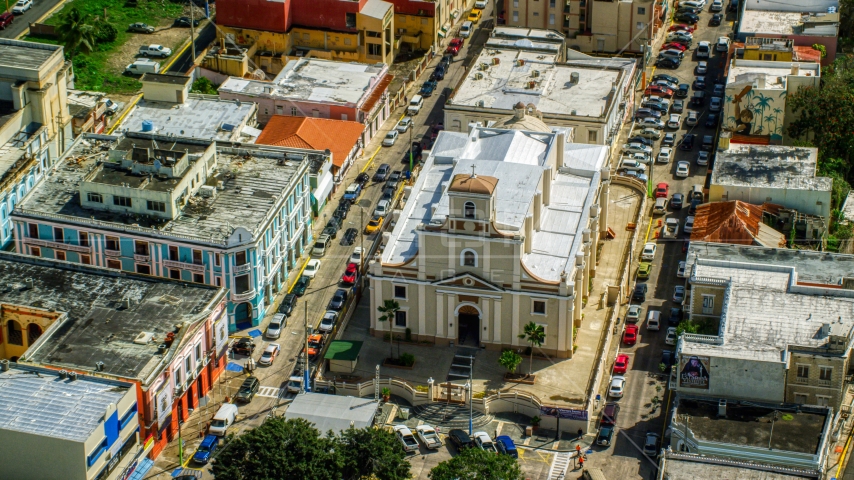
(155, 51)
(404, 434)
(429, 437)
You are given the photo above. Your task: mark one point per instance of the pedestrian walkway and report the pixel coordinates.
(560, 465)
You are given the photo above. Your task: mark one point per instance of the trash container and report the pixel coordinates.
(404, 414)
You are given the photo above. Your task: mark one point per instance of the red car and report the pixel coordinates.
(621, 364)
(350, 274)
(682, 26)
(455, 46)
(661, 190)
(658, 90)
(674, 45)
(630, 336)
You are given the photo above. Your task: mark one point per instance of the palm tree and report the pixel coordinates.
(389, 311)
(75, 31)
(769, 119)
(536, 336)
(762, 102)
(777, 112)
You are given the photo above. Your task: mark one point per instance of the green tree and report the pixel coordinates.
(536, 336)
(76, 32)
(474, 463)
(105, 32)
(372, 453)
(389, 310)
(203, 85)
(279, 448)
(510, 360)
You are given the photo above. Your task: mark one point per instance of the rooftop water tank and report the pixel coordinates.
(147, 126)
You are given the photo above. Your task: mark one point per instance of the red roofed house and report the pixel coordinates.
(736, 222)
(343, 138)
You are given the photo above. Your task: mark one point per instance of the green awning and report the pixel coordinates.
(343, 350)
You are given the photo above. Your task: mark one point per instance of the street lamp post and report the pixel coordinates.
(306, 387)
(193, 31)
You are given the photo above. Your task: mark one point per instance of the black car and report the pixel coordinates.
(330, 231)
(655, 106)
(415, 158)
(349, 237)
(646, 112)
(248, 390)
(288, 304)
(699, 83)
(439, 73)
(693, 208)
(642, 140)
(687, 142)
(676, 201)
(668, 357)
(460, 439)
(340, 213)
(301, 286)
(666, 77)
(682, 91)
(362, 178)
(428, 87)
(716, 20)
(338, 300)
(639, 294)
(185, 22)
(711, 121)
(689, 10)
(606, 435)
(244, 346)
(610, 414)
(708, 143)
(388, 193)
(733, 6)
(667, 62)
(446, 60)
(688, 18)
(675, 316)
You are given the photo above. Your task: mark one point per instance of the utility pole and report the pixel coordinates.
(471, 394)
(193, 30)
(305, 374)
(411, 127)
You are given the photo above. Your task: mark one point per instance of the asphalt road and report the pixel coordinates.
(204, 37)
(637, 415)
(22, 22)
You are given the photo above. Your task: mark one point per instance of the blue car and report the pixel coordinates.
(206, 449)
(428, 87)
(506, 446)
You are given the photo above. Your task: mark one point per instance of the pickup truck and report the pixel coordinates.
(154, 51)
(428, 436)
(404, 434)
(670, 229)
(295, 384)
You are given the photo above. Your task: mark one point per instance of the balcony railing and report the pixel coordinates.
(824, 383)
(183, 265)
(243, 268)
(141, 258)
(242, 297)
(802, 380)
(113, 253)
(56, 245)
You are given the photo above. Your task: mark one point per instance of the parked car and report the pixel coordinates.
(655, 106)
(712, 120)
(406, 438)
(662, 190)
(428, 87)
(674, 121)
(356, 256)
(484, 442)
(311, 268)
(637, 148)
(460, 439)
(682, 169)
(668, 62)
(670, 338)
(630, 335)
(687, 142)
(645, 141)
(350, 274)
(621, 364)
(455, 46)
(715, 104)
(404, 124)
(644, 269)
(648, 252)
(382, 172)
(702, 68)
(650, 445)
(287, 305)
(247, 390)
(605, 436)
(658, 91)
(6, 19)
(269, 354)
(675, 54)
(704, 49)
(675, 46)
(506, 446)
(610, 413)
(22, 6)
(140, 27)
(650, 122)
(633, 313)
(390, 138)
(678, 105)
(692, 119)
(327, 323)
(690, 18)
(338, 300)
(639, 293)
(717, 6)
(428, 436)
(675, 314)
(648, 133)
(716, 20)
(676, 201)
(618, 385)
(722, 45)
(206, 449)
(678, 294)
(301, 286)
(362, 178)
(664, 155)
(680, 271)
(186, 22)
(349, 237)
(155, 50)
(274, 328)
(439, 73)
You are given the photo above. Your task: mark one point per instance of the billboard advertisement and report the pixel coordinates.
(563, 413)
(164, 402)
(694, 372)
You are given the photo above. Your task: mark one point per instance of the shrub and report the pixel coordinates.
(408, 334)
(407, 359)
(105, 32)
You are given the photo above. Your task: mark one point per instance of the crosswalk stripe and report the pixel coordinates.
(559, 465)
(269, 392)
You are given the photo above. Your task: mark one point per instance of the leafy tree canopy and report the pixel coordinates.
(477, 464)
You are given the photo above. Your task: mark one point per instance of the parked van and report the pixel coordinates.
(415, 105)
(653, 320)
(465, 30)
(223, 419)
(696, 193)
(143, 65)
(660, 207)
(320, 246)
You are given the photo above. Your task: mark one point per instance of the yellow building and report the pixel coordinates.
(22, 326)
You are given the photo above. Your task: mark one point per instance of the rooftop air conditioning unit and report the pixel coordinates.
(573, 77)
(478, 76)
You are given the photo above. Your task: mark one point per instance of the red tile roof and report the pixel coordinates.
(339, 136)
(732, 222)
(806, 54)
(378, 92)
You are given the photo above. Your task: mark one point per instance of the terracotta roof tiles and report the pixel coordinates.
(339, 136)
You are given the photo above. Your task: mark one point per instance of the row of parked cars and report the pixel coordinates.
(430, 439)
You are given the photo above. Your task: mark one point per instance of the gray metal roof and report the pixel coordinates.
(691, 467)
(771, 166)
(200, 116)
(333, 412)
(38, 402)
(100, 326)
(18, 56)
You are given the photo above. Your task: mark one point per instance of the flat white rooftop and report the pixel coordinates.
(769, 166)
(520, 38)
(763, 21)
(774, 74)
(575, 89)
(313, 80)
(201, 116)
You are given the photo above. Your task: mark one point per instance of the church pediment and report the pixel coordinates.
(467, 280)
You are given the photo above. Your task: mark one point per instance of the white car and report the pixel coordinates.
(382, 209)
(481, 4)
(682, 169)
(390, 138)
(637, 148)
(664, 155)
(404, 124)
(633, 314)
(638, 157)
(681, 35)
(633, 166)
(702, 68)
(22, 6)
(680, 272)
(692, 119)
(670, 339)
(678, 294)
(356, 257)
(722, 45)
(311, 268)
(648, 253)
(650, 133)
(717, 6)
(328, 321)
(715, 104)
(274, 329)
(618, 385)
(651, 123)
(674, 120)
(661, 101)
(693, 4)
(269, 354)
(703, 158)
(704, 49)
(482, 440)
(689, 224)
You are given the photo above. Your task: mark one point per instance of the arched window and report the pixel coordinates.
(15, 335)
(456, 126)
(34, 331)
(468, 258)
(468, 210)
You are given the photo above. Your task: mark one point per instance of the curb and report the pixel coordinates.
(41, 19)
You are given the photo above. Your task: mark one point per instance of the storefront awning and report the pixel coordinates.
(324, 186)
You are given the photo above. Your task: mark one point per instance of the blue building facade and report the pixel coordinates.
(246, 233)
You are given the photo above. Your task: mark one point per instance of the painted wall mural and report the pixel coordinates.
(754, 115)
